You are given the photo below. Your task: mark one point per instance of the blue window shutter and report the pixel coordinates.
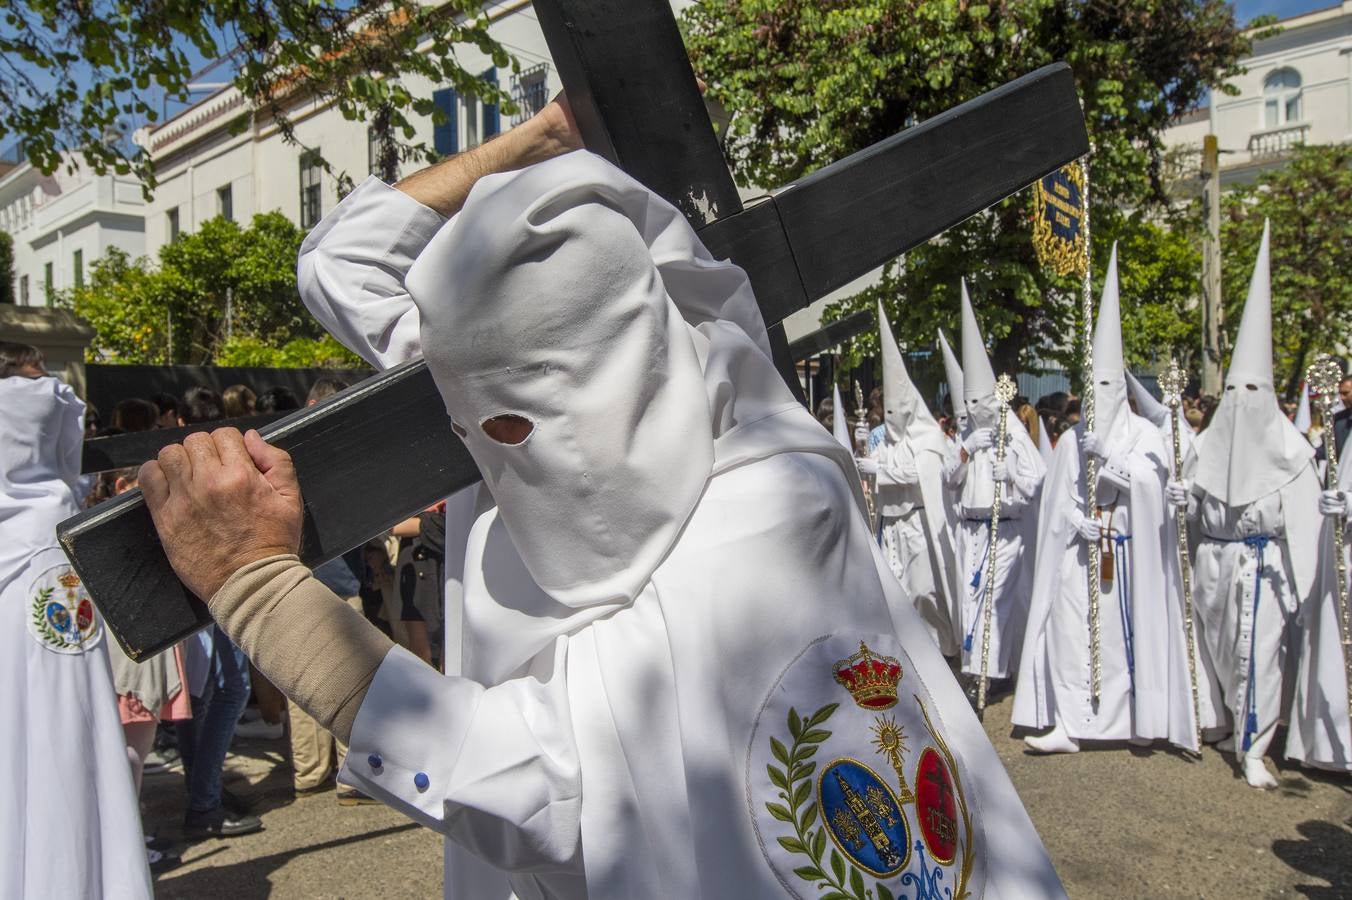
(491, 123)
(446, 137)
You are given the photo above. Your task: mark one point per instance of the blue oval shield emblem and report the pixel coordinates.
(863, 816)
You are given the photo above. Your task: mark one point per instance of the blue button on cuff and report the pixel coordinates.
(421, 781)
(375, 761)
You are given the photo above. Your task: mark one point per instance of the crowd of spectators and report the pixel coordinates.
(397, 580)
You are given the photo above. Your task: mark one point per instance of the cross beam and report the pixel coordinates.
(382, 450)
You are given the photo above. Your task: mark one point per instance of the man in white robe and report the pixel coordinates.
(1145, 691)
(70, 826)
(973, 480)
(670, 523)
(917, 520)
(1250, 484)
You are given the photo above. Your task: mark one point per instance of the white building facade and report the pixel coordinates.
(61, 223)
(203, 170)
(1297, 90)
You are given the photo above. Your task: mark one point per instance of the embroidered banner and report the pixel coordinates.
(1059, 221)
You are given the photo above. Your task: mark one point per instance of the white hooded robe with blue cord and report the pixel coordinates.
(1145, 689)
(1016, 532)
(69, 822)
(1254, 495)
(679, 634)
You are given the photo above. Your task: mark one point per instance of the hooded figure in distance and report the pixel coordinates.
(1146, 693)
(1251, 486)
(917, 519)
(973, 480)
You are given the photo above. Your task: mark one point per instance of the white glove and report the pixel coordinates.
(1000, 470)
(867, 465)
(1333, 503)
(1088, 527)
(861, 431)
(980, 439)
(1092, 444)
(1176, 492)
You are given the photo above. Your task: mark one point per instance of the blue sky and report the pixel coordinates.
(1247, 9)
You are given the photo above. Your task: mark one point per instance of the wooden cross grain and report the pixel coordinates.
(382, 450)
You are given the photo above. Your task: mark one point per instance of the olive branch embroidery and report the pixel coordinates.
(40, 622)
(840, 880)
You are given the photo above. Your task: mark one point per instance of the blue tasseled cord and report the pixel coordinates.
(1122, 564)
(1259, 543)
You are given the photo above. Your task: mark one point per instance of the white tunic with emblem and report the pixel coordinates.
(69, 823)
(613, 733)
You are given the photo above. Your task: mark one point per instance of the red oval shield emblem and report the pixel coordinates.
(936, 807)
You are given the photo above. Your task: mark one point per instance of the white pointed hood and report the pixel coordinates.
(840, 429)
(904, 411)
(41, 440)
(1250, 449)
(1044, 441)
(1112, 415)
(978, 378)
(953, 375)
(1146, 405)
(569, 295)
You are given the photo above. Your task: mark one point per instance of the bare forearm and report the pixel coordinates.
(444, 186)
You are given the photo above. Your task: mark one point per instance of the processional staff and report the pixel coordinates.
(870, 482)
(1061, 239)
(1172, 383)
(1004, 392)
(1323, 376)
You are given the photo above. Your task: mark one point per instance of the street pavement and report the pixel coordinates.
(1119, 822)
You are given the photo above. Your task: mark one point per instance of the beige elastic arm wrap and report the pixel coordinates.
(315, 648)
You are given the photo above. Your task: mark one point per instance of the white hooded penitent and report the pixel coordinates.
(663, 505)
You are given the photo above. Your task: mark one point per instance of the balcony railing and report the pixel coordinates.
(1276, 142)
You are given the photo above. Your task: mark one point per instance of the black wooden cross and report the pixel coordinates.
(376, 453)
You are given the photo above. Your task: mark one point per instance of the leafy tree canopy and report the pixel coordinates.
(1309, 203)
(6, 268)
(225, 294)
(72, 70)
(811, 81)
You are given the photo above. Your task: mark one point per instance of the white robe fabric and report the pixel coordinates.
(70, 825)
(1016, 540)
(1319, 733)
(1153, 699)
(566, 761)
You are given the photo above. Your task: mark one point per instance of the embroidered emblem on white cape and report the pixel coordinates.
(853, 788)
(61, 617)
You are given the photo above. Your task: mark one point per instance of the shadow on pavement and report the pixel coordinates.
(249, 880)
(1324, 851)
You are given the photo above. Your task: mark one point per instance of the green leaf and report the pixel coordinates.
(857, 883)
(884, 893)
(837, 866)
(777, 777)
(795, 723)
(779, 812)
(801, 793)
(816, 736)
(809, 817)
(792, 844)
(822, 714)
(779, 751)
(809, 873)
(818, 845)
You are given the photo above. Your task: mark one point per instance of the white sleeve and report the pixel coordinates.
(494, 769)
(352, 266)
